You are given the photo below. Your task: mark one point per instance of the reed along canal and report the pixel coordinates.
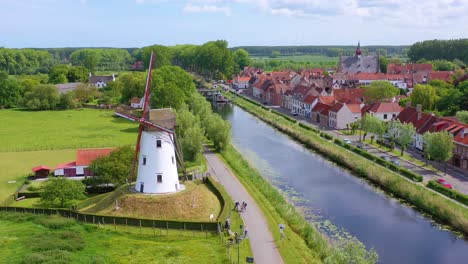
(339, 203)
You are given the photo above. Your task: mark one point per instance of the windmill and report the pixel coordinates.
(157, 150)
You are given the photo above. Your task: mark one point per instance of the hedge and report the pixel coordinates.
(223, 198)
(462, 198)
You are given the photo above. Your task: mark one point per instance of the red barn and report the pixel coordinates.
(41, 171)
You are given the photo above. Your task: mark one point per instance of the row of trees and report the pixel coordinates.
(449, 50)
(441, 97)
(330, 51)
(437, 146)
(28, 61)
(101, 59)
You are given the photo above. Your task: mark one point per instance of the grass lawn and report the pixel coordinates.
(195, 203)
(27, 238)
(15, 166)
(70, 129)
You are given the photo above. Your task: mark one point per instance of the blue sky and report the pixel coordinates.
(137, 23)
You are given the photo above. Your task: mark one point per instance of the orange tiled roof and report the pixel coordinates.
(84, 157)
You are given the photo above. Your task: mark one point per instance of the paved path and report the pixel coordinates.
(261, 240)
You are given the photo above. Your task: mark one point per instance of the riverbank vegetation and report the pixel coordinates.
(434, 204)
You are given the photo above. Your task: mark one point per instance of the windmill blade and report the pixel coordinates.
(146, 104)
(179, 154)
(129, 117)
(137, 151)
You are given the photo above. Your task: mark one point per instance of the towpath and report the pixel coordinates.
(261, 240)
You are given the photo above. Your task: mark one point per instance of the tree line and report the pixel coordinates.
(330, 51)
(450, 50)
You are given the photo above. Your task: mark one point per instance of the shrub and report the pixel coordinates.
(462, 198)
(50, 256)
(65, 240)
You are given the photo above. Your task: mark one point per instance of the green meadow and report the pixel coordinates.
(26, 238)
(71, 129)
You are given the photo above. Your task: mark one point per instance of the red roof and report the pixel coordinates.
(441, 75)
(385, 108)
(135, 100)
(349, 95)
(421, 121)
(310, 99)
(354, 108)
(243, 79)
(327, 99)
(336, 107)
(462, 136)
(41, 167)
(84, 157)
(322, 109)
(66, 165)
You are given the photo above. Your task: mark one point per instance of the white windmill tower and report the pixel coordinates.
(157, 150)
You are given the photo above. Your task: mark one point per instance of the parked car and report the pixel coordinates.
(444, 183)
(386, 158)
(347, 141)
(294, 113)
(396, 162)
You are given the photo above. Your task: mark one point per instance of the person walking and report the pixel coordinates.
(245, 232)
(236, 206)
(245, 206)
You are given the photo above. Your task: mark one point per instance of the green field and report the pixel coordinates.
(299, 58)
(27, 238)
(70, 129)
(15, 166)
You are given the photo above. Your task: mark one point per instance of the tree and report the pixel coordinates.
(380, 90)
(275, 54)
(463, 116)
(131, 85)
(241, 58)
(190, 133)
(219, 131)
(77, 74)
(114, 168)
(41, 97)
(85, 94)
(439, 145)
(61, 191)
(424, 95)
(67, 101)
(10, 91)
(173, 86)
(371, 124)
(401, 134)
(58, 74)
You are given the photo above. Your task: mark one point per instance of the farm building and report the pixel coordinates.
(79, 167)
(41, 171)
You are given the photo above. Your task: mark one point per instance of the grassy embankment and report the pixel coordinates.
(29, 238)
(424, 200)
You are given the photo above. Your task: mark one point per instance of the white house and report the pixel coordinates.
(101, 81)
(137, 103)
(385, 111)
(84, 158)
(341, 114)
(242, 82)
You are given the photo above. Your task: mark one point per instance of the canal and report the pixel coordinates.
(329, 194)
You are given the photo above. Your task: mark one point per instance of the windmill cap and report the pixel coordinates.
(164, 117)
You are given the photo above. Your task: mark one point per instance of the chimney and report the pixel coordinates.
(418, 110)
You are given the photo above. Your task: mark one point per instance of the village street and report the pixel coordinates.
(261, 240)
(457, 178)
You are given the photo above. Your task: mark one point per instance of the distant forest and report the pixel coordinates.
(330, 51)
(450, 50)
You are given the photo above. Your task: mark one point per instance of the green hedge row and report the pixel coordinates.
(223, 198)
(393, 167)
(308, 127)
(118, 220)
(462, 198)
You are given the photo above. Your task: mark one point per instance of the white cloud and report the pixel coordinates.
(190, 8)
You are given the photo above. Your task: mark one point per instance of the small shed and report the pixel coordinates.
(41, 171)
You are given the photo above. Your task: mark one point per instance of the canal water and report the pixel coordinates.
(329, 194)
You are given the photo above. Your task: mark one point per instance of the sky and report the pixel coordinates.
(138, 23)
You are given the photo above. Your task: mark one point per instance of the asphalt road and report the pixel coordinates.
(261, 239)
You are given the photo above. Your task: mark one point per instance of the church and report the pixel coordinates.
(359, 63)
